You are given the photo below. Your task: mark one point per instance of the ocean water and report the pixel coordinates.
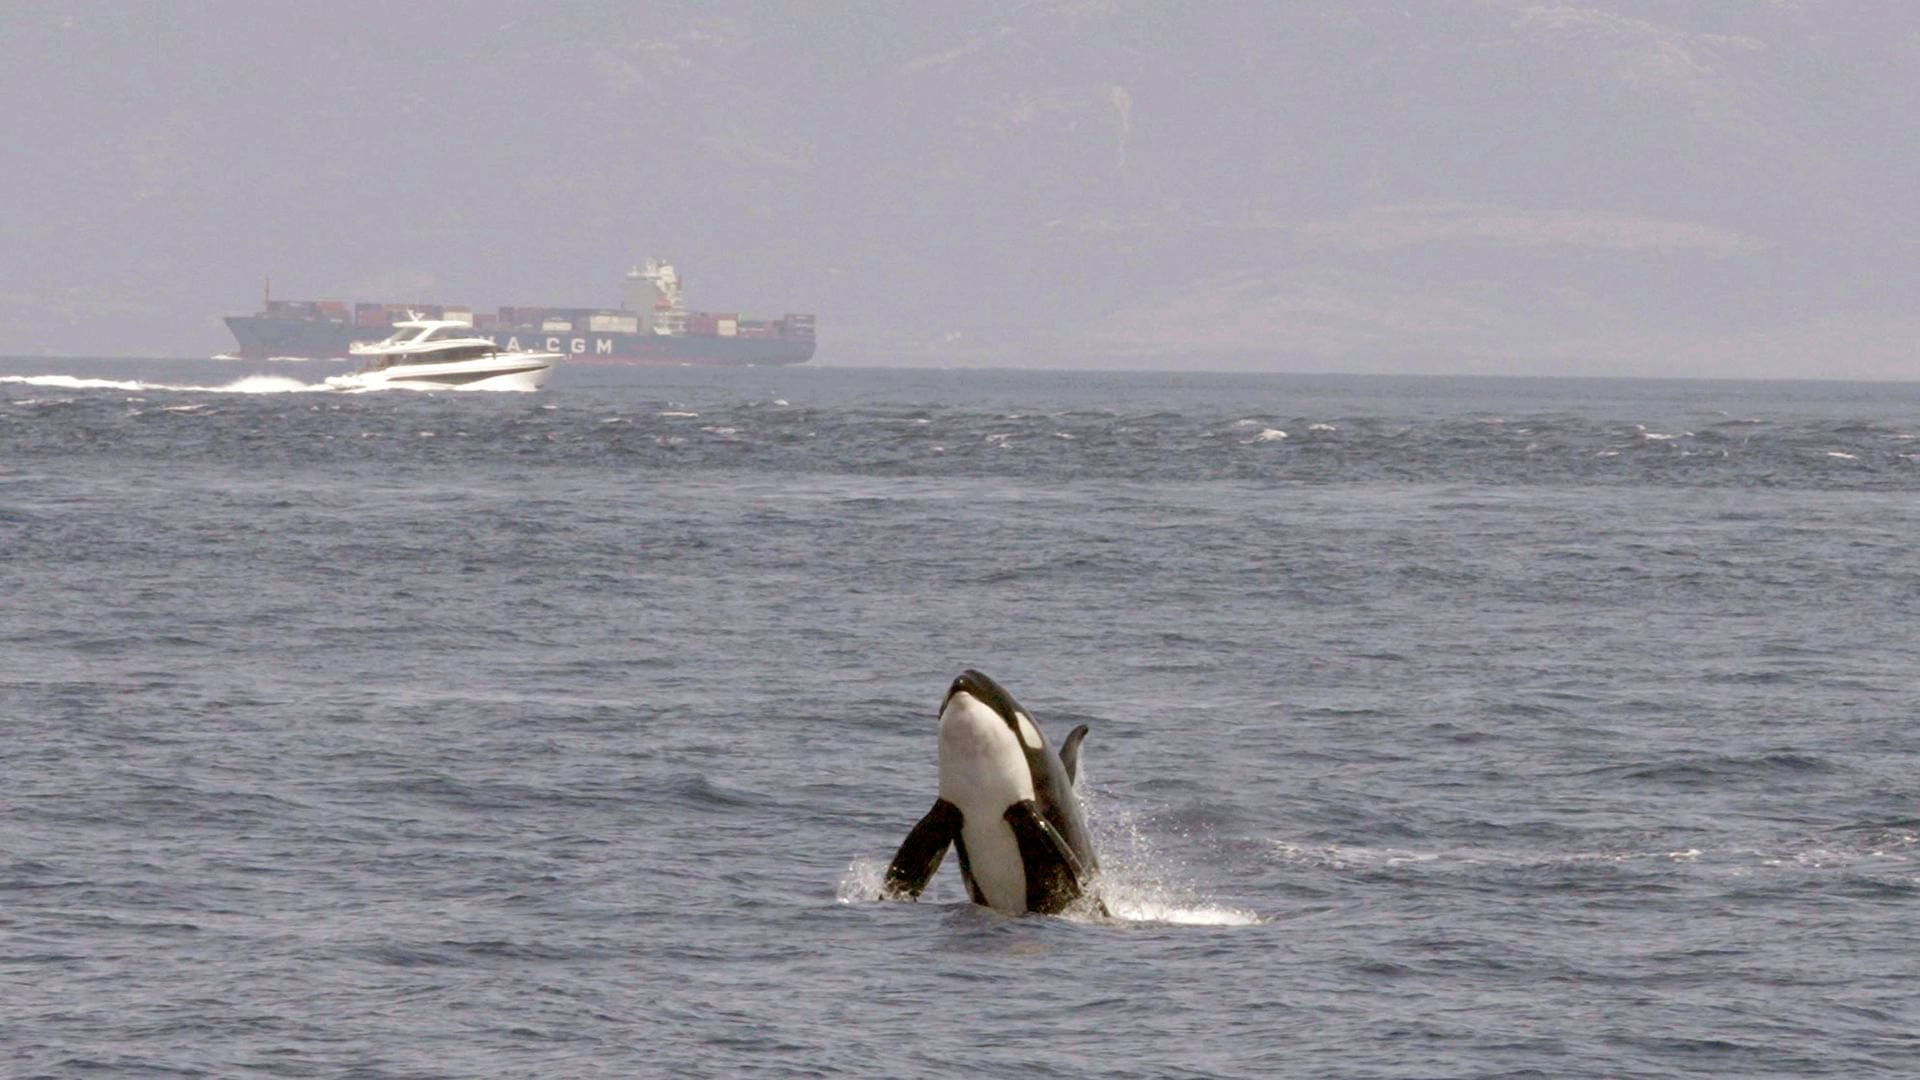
(1440, 727)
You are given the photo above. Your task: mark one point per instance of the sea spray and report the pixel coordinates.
(1137, 882)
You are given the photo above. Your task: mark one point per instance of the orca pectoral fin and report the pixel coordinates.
(1055, 876)
(921, 852)
(1070, 753)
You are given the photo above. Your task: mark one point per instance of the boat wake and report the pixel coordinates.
(250, 384)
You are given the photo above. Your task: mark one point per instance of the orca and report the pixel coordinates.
(1006, 805)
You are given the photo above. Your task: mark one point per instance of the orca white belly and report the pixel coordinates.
(983, 770)
(993, 857)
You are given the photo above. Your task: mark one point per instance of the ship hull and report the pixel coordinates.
(262, 337)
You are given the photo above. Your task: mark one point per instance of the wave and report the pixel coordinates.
(250, 384)
(1891, 851)
(247, 384)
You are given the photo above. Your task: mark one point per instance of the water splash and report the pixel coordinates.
(1135, 885)
(863, 882)
(1139, 884)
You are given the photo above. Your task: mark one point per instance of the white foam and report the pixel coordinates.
(268, 384)
(71, 382)
(250, 384)
(1270, 435)
(1125, 907)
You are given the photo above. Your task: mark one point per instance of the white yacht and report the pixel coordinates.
(435, 354)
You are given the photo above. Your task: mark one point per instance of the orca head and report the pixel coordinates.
(977, 687)
(985, 739)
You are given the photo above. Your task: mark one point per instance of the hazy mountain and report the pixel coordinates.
(1686, 187)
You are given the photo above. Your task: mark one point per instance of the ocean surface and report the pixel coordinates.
(1440, 727)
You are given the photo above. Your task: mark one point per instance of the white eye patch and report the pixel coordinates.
(1029, 735)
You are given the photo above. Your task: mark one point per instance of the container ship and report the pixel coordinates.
(654, 327)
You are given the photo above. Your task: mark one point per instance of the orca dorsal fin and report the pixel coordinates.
(1070, 753)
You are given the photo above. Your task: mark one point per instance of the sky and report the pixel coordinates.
(1706, 188)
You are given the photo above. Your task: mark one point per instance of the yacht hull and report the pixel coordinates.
(522, 371)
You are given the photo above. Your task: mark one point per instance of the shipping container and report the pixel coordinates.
(614, 324)
(564, 326)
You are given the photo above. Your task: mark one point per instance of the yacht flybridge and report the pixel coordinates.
(436, 354)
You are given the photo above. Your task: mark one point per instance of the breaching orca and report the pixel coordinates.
(1007, 805)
